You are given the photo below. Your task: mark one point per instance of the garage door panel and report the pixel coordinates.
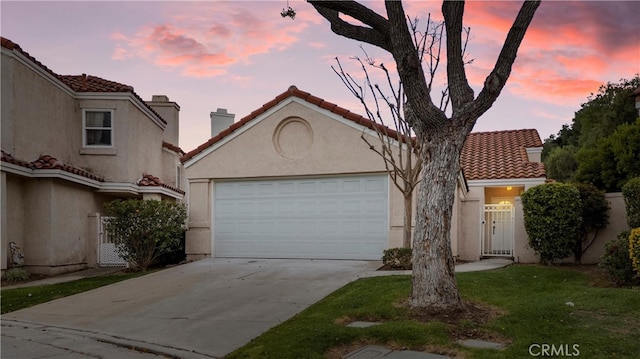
(333, 218)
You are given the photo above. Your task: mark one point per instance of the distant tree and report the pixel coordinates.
(561, 164)
(613, 161)
(440, 135)
(581, 142)
(611, 107)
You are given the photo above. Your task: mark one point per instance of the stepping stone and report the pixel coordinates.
(369, 352)
(362, 324)
(408, 354)
(377, 352)
(480, 344)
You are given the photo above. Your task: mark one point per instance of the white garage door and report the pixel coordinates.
(328, 218)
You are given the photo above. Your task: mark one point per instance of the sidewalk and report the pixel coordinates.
(87, 273)
(481, 265)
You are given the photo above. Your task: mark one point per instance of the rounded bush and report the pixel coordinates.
(631, 193)
(616, 262)
(634, 249)
(552, 219)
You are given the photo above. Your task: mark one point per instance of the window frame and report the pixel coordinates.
(85, 128)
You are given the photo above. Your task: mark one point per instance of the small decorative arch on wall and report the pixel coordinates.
(293, 138)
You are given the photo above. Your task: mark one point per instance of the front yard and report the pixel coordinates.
(526, 307)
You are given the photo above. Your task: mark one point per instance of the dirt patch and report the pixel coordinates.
(465, 322)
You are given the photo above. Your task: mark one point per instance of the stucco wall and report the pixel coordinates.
(469, 227)
(295, 140)
(12, 215)
(522, 252)
(45, 126)
(59, 234)
(617, 224)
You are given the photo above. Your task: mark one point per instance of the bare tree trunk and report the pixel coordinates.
(408, 218)
(434, 282)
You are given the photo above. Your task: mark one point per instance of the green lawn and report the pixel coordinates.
(20, 298)
(531, 300)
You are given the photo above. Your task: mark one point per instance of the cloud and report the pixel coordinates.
(569, 50)
(206, 39)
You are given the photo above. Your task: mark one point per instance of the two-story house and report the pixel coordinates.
(70, 143)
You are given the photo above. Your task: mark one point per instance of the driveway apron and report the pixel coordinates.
(209, 307)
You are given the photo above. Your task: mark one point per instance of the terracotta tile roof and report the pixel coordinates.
(292, 91)
(501, 155)
(50, 162)
(84, 83)
(173, 148)
(148, 180)
(81, 83)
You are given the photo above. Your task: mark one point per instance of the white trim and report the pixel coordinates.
(130, 188)
(104, 187)
(271, 111)
(50, 173)
(533, 150)
(506, 182)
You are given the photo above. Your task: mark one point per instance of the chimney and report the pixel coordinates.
(170, 112)
(220, 120)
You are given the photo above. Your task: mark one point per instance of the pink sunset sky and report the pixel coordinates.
(239, 55)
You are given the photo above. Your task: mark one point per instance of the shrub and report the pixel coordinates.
(552, 219)
(634, 249)
(397, 258)
(174, 255)
(595, 216)
(145, 230)
(615, 262)
(16, 275)
(631, 193)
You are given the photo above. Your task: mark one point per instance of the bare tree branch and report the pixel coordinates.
(494, 83)
(377, 34)
(459, 89)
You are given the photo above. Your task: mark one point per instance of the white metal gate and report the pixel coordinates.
(107, 254)
(497, 234)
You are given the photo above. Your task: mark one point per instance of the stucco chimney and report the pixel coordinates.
(220, 120)
(170, 112)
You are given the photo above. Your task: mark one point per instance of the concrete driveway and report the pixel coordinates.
(207, 308)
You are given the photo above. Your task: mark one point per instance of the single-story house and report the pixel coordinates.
(70, 143)
(293, 179)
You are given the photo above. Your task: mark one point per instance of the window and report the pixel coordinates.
(97, 128)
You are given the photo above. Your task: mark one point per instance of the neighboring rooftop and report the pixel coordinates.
(501, 155)
(149, 180)
(295, 92)
(47, 162)
(81, 83)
